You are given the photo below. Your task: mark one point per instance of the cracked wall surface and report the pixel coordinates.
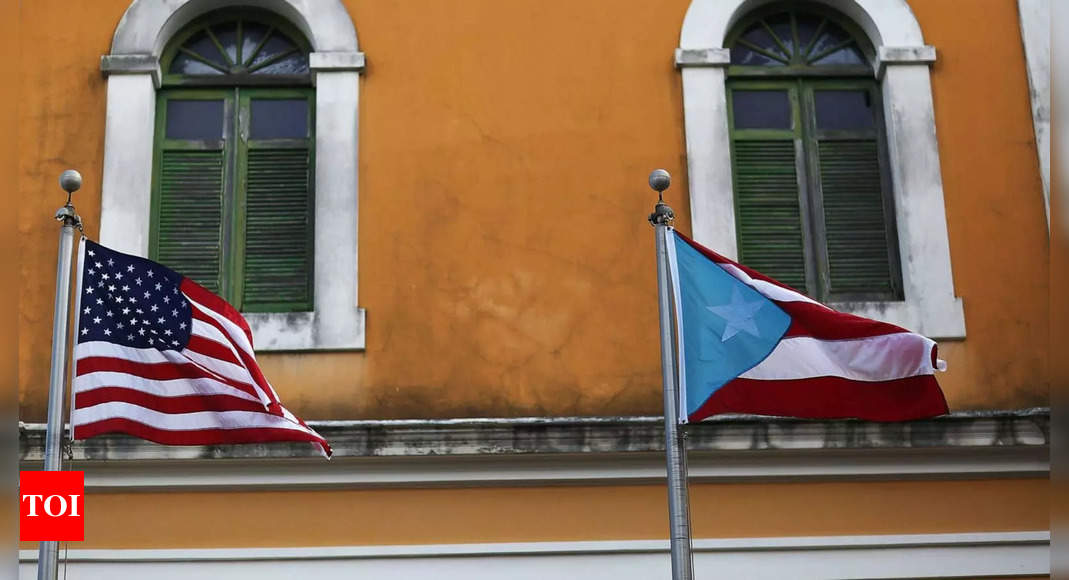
(506, 266)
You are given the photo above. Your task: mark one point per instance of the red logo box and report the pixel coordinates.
(51, 506)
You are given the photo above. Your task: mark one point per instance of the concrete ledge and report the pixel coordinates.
(907, 54)
(587, 435)
(303, 331)
(131, 64)
(687, 57)
(336, 61)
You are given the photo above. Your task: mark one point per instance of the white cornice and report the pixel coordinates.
(594, 450)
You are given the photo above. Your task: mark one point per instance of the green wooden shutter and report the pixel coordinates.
(855, 223)
(278, 230)
(769, 221)
(189, 222)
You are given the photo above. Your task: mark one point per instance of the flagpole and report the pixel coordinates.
(674, 445)
(70, 181)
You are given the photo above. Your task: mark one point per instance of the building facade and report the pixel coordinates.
(433, 215)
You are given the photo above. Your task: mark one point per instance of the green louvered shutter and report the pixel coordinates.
(855, 220)
(278, 201)
(769, 221)
(190, 181)
(190, 214)
(278, 230)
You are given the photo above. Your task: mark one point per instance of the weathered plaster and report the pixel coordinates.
(1035, 34)
(930, 306)
(133, 74)
(590, 435)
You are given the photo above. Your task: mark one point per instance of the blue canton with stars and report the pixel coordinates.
(131, 301)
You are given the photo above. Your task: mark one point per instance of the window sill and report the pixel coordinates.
(307, 331)
(938, 318)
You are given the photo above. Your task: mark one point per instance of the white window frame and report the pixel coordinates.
(902, 66)
(133, 76)
(1035, 36)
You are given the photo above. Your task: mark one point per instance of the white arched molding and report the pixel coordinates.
(133, 73)
(901, 61)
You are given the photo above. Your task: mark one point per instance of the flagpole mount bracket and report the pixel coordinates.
(662, 214)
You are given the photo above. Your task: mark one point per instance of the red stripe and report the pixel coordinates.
(808, 319)
(196, 437)
(722, 260)
(212, 348)
(171, 405)
(164, 371)
(248, 361)
(905, 399)
(202, 295)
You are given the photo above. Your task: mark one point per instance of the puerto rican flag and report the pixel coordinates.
(750, 344)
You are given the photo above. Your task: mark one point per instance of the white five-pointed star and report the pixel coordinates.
(739, 315)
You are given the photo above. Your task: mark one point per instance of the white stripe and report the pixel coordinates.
(237, 372)
(677, 298)
(141, 355)
(210, 332)
(77, 324)
(160, 388)
(769, 289)
(185, 421)
(876, 358)
(237, 337)
(235, 332)
(221, 368)
(153, 356)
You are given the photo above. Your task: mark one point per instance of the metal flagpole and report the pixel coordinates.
(70, 181)
(674, 444)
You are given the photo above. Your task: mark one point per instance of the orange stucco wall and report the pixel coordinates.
(560, 513)
(505, 263)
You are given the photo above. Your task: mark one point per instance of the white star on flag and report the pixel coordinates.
(739, 315)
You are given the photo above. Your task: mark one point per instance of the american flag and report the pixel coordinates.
(161, 358)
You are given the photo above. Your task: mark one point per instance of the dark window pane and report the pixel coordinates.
(274, 46)
(194, 120)
(740, 55)
(843, 109)
(201, 44)
(758, 36)
(186, 65)
(279, 119)
(781, 25)
(251, 35)
(807, 27)
(848, 55)
(761, 109)
(293, 64)
(227, 35)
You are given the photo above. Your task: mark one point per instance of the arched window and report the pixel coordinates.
(813, 201)
(233, 201)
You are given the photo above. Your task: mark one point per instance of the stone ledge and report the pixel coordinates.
(1028, 428)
